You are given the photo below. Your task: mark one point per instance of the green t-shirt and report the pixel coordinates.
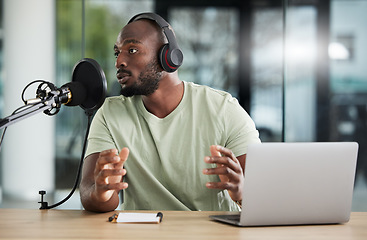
(164, 167)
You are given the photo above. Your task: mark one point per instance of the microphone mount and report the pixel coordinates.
(48, 100)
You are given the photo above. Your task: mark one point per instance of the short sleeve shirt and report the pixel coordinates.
(164, 167)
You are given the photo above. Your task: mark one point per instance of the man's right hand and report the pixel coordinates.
(102, 179)
(108, 174)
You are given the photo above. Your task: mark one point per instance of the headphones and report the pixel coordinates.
(170, 55)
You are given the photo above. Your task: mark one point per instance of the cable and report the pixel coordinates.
(38, 89)
(2, 137)
(44, 205)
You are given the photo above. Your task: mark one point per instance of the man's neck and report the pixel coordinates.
(166, 98)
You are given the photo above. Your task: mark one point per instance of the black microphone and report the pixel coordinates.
(87, 88)
(72, 94)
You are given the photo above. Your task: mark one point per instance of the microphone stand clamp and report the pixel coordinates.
(44, 205)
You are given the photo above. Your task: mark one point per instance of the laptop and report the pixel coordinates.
(296, 184)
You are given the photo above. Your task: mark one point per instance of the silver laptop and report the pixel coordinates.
(297, 184)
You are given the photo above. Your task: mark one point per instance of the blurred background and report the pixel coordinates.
(299, 67)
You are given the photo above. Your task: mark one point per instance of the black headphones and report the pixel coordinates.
(170, 55)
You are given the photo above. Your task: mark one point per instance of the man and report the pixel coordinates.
(182, 146)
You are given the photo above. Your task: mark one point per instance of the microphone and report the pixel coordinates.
(69, 94)
(87, 88)
(72, 94)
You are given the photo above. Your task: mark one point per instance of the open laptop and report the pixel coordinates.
(297, 184)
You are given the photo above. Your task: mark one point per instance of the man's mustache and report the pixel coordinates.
(123, 71)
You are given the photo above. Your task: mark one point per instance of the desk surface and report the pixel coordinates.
(79, 224)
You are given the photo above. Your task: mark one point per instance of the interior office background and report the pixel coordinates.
(299, 67)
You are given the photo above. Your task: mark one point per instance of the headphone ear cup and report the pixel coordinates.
(170, 59)
(163, 58)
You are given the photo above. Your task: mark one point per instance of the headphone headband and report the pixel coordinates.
(152, 16)
(170, 55)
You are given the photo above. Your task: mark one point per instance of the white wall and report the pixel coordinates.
(29, 54)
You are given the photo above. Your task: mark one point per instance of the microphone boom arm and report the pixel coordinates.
(30, 109)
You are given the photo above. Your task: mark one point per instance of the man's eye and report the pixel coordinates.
(133, 50)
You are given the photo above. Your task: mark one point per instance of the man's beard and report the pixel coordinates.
(147, 83)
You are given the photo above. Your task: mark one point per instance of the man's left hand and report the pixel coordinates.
(229, 170)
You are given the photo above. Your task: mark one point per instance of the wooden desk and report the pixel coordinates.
(78, 224)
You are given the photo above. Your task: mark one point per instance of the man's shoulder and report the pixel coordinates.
(195, 88)
(211, 96)
(119, 103)
(117, 100)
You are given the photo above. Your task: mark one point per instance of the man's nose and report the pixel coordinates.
(120, 61)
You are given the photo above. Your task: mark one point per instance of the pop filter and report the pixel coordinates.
(88, 72)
